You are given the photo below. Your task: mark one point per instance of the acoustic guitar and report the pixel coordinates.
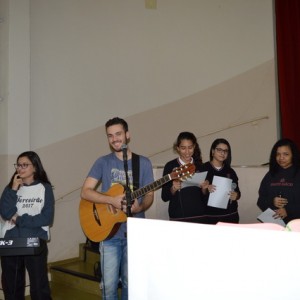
(101, 221)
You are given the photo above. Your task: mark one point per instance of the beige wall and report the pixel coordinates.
(91, 60)
(197, 65)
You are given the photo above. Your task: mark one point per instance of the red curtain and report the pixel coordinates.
(287, 14)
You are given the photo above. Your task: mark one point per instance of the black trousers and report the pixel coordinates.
(13, 275)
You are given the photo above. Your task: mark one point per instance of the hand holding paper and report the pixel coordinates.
(268, 217)
(195, 180)
(220, 197)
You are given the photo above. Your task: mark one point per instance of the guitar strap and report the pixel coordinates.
(135, 171)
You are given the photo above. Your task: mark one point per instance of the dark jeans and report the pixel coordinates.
(13, 276)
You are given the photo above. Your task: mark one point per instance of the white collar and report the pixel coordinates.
(183, 163)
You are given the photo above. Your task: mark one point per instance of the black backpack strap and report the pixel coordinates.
(135, 171)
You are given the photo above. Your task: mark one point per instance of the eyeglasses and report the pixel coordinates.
(21, 166)
(220, 150)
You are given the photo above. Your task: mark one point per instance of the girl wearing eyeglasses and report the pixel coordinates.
(220, 165)
(27, 207)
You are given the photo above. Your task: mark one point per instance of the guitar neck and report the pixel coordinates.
(151, 187)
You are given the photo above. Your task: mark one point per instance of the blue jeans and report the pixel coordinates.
(113, 253)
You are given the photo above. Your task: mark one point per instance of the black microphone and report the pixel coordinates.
(124, 150)
(233, 186)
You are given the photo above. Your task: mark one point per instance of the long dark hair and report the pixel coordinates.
(185, 135)
(39, 174)
(273, 165)
(215, 144)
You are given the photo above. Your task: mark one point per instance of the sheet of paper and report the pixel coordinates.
(267, 217)
(219, 198)
(195, 180)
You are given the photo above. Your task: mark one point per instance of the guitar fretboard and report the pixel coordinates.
(151, 187)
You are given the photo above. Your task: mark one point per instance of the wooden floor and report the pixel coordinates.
(61, 292)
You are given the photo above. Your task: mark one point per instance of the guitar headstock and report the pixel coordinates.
(183, 172)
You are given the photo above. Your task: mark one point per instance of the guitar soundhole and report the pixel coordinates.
(96, 216)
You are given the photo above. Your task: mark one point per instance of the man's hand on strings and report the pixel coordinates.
(118, 201)
(135, 206)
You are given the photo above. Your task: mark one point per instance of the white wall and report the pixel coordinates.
(91, 60)
(3, 74)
